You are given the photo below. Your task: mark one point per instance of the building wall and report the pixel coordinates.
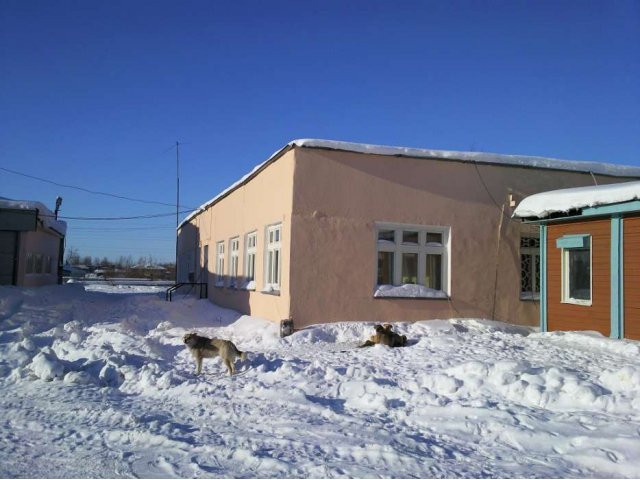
(264, 201)
(41, 242)
(631, 246)
(338, 198)
(566, 316)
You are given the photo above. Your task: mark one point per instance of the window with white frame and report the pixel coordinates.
(251, 244)
(273, 258)
(529, 268)
(234, 251)
(576, 269)
(413, 255)
(220, 264)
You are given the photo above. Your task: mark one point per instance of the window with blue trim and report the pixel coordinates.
(576, 269)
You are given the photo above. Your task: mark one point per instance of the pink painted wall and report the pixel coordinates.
(328, 203)
(338, 198)
(264, 201)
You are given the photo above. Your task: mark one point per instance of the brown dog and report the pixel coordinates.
(203, 347)
(385, 336)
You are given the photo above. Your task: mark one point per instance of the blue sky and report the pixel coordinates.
(96, 94)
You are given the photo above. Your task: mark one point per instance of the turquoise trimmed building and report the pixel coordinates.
(589, 258)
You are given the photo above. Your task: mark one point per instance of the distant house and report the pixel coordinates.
(31, 244)
(75, 271)
(590, 258)
(327, 231)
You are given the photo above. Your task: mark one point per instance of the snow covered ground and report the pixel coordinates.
(99, 385)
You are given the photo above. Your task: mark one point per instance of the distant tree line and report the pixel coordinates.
(125, 266)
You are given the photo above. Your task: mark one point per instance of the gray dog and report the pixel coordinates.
(203, 347)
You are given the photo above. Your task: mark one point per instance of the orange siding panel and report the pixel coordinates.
(632, 278)
(565, 316)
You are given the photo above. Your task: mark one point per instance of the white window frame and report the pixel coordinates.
(219, 264)
(398, 248)
(273, 249)
(534, 253)
(251, 249)
(566, 297)
(234, 259)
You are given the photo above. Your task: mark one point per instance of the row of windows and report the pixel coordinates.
(39, 264)
(420, 255)
(405, 255)
(229, 275)
(576, 271)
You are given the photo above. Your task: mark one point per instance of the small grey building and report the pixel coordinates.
(31, 244)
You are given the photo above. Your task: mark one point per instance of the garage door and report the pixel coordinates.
(8, 241)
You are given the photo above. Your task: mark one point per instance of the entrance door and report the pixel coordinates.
(8, 243)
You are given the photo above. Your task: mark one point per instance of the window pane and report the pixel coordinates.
(276, 267)
(410, 268)
(385, 268)
(433, 238)
(529, 242)
(526, 278)
(433, 272)
(580, 274)
(251, 265)
(387, 236)
(411, 238)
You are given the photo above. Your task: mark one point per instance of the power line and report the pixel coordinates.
(122, 229)
(136, 217)
(94, 192)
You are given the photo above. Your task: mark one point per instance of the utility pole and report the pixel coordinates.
(177, 203)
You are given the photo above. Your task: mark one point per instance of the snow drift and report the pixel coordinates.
(93, 375)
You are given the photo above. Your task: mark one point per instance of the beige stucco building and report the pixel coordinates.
(31, 244)
(328, 231)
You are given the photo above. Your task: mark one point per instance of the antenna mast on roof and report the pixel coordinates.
(177, 203)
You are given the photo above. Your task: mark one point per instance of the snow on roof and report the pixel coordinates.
(44, 214)
(474, 157)
(543, 204)
(481, 157)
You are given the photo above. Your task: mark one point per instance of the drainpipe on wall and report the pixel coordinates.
(543, 278)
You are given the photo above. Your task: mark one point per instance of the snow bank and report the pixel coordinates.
(543, 204)
(89, 374)
(45, 365)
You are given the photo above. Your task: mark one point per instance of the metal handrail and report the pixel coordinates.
(173, 288)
